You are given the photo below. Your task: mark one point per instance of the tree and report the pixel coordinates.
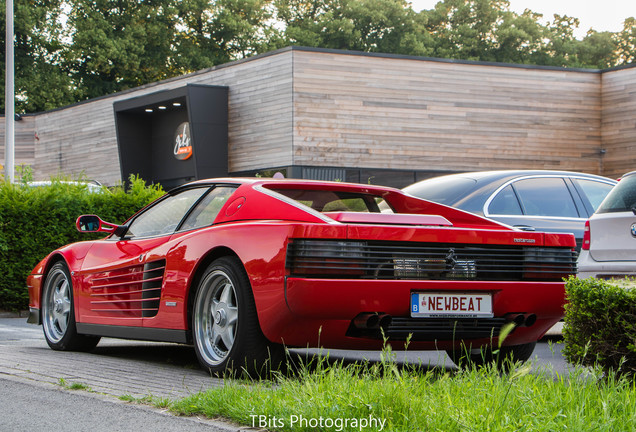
(119, 44)
(361, 25)
(466, 29)
(41, 82)
(216, 32)
(562, 47)
(626, 43)
(519, 38)
(598, 49)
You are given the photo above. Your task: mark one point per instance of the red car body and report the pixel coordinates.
(321, 272)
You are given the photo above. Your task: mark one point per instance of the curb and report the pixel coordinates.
(14, 314)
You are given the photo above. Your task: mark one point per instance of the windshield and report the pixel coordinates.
(622, 198)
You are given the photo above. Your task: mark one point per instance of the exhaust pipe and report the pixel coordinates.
(517, 319)
(385, 321)
(372, 320)
(366, 320)
(530, 319)
(521, 320)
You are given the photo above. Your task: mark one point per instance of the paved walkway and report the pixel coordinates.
(115, 367)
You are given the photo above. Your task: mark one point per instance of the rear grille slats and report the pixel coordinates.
(432, 329)
(423, 261)
(444, 329)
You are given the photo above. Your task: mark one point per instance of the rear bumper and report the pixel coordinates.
(588, 267)
(335, 303)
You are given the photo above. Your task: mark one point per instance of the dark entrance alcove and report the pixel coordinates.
(174, 136)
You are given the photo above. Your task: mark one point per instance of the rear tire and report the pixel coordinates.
(504, 357)
(58, 313)
(225, 328)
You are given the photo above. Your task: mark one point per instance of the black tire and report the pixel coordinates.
(227, 336)
(505, 357)
(58, 313)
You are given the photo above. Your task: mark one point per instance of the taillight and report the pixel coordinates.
(326, 257)
(586, 236)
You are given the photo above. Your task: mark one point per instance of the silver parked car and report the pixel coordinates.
(541, 200)
(609, 243)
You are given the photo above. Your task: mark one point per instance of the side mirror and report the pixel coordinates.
(92, 223)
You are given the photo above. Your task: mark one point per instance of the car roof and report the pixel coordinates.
(511, 174)
(472, 197)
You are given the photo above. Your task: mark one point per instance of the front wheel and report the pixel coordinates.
(503, 357)
(58, 313)
(225, 328)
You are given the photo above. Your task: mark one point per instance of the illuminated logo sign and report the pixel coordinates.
(182, 142)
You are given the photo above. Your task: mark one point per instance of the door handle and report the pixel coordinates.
(525, 227)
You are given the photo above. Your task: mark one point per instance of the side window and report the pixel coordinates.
(206, 211)
(164, 217)
(595, 191)
(546, 197)
(505, 203)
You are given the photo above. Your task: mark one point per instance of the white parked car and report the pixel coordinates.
(609, 240)
(92, 186)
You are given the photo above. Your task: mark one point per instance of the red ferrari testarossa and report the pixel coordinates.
(241, 267)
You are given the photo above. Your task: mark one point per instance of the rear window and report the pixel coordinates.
(622, 198)
(443, 190)
(334, 201)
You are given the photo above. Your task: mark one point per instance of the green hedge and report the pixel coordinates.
(600, 324)
(36, 220)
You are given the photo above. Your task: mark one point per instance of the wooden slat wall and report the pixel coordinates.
(320, 108)
(362, 111)
(619, 122)
(24, 147)
(81, 139)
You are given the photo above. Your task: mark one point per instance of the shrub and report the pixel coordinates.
(600, 324)
(37, 220)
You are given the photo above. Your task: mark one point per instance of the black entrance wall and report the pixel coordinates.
(147, 128)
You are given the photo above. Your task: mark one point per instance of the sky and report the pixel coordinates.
(601, 15)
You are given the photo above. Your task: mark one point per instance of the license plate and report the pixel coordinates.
(451, 305)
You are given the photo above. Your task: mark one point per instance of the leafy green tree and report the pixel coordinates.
(562, 46)
(466, 29)
(598, 49)
(362, 25)
(41, 81)
(119, 44)
(626, 43)
(518, 38)
(216, 32)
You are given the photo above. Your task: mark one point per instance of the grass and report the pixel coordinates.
(382, 396)
(73, 386)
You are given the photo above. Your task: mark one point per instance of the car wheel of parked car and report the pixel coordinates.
(227, 336)
(504, 356)
(58, 313)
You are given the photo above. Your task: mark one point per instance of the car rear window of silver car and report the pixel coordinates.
(622, 198)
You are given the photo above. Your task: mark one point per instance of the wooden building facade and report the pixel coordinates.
(384, 119)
